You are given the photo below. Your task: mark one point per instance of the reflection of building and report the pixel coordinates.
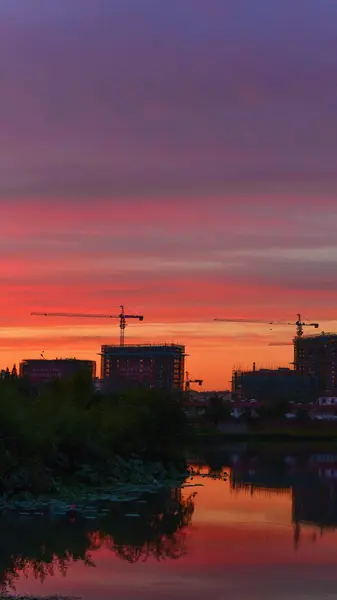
(43, 370)
(310, 481)
(255, 478)
(315, 504)
(268, 384)
(315, 356)
(149, 366)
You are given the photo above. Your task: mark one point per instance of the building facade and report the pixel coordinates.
(315, 357)
(268, 385)
(44, 371)
(143, 366)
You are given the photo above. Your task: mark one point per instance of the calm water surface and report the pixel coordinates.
(267, 532)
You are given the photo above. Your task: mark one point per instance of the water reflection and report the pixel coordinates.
(274, 498)
(311, 478)
(47, 546)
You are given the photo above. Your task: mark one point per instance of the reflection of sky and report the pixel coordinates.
(239, 546)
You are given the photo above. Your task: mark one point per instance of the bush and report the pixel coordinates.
(66, 424)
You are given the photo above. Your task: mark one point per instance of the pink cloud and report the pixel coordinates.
(180, 160)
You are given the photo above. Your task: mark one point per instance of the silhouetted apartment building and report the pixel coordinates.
(315, 357)
(43, 370)
(150, 366)
(266, 385)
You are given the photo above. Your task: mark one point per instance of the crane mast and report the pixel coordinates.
(122, 318)
(188, 382)
(122, 323)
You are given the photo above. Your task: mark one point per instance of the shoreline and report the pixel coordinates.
(280, 436)
(270, 437)
(124, 480)
(267, 430)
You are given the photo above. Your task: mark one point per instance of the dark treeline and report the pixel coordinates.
(54, 430)
(46, 546)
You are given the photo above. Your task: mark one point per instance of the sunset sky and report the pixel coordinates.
(177, 156)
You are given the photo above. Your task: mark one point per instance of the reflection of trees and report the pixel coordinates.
(45, 546)
(160, 536)
(40, 545)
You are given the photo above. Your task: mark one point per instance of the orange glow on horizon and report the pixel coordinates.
(214, 261)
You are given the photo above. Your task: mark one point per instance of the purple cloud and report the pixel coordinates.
(128, 98)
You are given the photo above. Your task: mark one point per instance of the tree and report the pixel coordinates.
(216, 410)
(275, 408)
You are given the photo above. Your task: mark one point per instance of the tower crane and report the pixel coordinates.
(299, 324)
(189, 381)
(122, 318)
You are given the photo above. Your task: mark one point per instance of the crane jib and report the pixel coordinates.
(122, 318)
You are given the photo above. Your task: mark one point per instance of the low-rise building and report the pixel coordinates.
(43, 370)
(266, 385)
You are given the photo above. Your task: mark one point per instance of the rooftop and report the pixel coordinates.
(158, 345)
(49, 360)
(315, 336)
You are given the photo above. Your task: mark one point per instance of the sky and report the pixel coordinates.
(178, 157)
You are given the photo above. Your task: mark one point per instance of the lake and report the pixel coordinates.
(263, 526)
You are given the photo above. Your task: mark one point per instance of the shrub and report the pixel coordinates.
(66, 424)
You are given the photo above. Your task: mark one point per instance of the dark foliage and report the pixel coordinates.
(217, 410)
(54, 430)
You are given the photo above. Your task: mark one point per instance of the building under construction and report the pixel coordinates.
(268, 385)
(149, 366)
(315, 356)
